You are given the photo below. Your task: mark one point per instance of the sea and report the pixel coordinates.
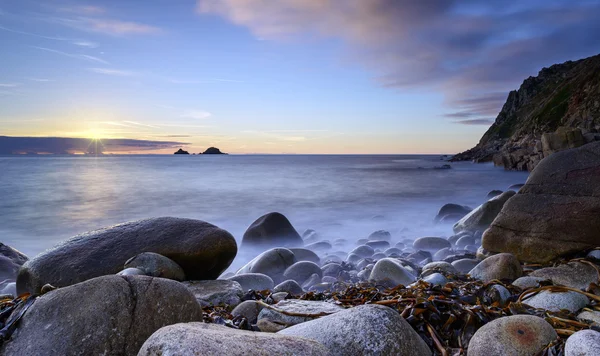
(47, 199)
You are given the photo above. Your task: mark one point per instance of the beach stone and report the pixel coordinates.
(363, 330)
(216, 340)
(583, 343)
(438, 266)
(500, 266)
(353, 258)
(463, 241)
(573, 274)
(363, 251)
(527, 282)
(313, 280)
(302, 271)
(380, 235)
(393, 251)
(253, 281)
(391, 271)
(289, 286)
(464, 265)
(271, 230)
(482, 216)
(131, 272)
(8, 269)
(214, 293)
(203, 250)
(571, 301)
(332, 259)
(272, 262)
(310, 236)
(155, 265)
(436, 279)
(516, 187)
(454, 210)
(498, 293)
(595, 254)
(320, 246)
(442, 254)
(307, 307)
(248, 309)
(592, 315)
(108, 315)
(9, 288)
(556, 212)
(493, 193)
(364, 275)
(516, 335)
(381, 244)
(378, 256)
(303, 254)
(329, 279)
(431, 244)
(334, 269)
(16, 256)
(279, 296)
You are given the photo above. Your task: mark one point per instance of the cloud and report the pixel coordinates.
(195, 114)
(465, 49)
(106, 26)
(9, 85)
(41, 80)
(485, 122)
(115, 72)
(73, 55)
(140, 124)
(84, 9)
(80, 43)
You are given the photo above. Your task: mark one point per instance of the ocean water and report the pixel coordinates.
(45, 199)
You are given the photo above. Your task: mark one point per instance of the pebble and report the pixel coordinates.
(302, 271)
(572, 301)
(436, 279)
(156, 265)
(583, 343)
(573, 274)
(500, 266)
(253, 281)
(363, 251)
(431, 244)
(593, 316)
(289, 286)
(390, 270)
(527, 282)
(248, 309)
(438, 266)
(464, 265)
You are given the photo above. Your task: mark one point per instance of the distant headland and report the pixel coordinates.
(209, 151)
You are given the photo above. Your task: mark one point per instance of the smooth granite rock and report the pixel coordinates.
(573, 274)
(583, 343)
(482, 216)
(156, 265)
(253, 281)
(289, 286)
(213, 293)
(431, 244)
(500, 266)
(272, 230)
(272, 262)
(389, 270)
(301, 271)
(310, 310)
(572, 301)
(248, 309)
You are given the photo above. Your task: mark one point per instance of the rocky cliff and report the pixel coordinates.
(556, 110)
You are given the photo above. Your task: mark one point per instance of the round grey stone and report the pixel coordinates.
(583, 343)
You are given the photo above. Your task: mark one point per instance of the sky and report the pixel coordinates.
(286, 76)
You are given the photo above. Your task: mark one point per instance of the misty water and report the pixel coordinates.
(46, 199)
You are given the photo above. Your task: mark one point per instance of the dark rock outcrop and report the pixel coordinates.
(555, 212)
(213, 151)
(181, 152)
(203, 250)
(272, 230)
(557, 110)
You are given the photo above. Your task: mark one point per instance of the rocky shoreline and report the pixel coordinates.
(519, 275)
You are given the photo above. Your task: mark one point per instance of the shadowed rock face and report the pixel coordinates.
(203, 250)
(556, 212)
(272, 230)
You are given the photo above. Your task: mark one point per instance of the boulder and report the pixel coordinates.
(303, 254)
(454, 210)
(309, 309)
(301, 271)
(8, 269)
(573, 274)
(363, 251)
(482, 216)
(555, 212)
(253, 281)
(131, 272)
(514, 335)
(464, 265)
(272, 262)
(390, 271)
(155, 265)
(380, 235)
(439, 266)
(363, 330)
(289, 286)
(571, 301)
(583, 343)
(203, 250)
(334, 269)
(435, 279)
(14, 255)
(431, 244)
(213, 293)
(500, 266)
(248, 309)
(493, 193)
(216, 340)
(109, 315)
(271, 230)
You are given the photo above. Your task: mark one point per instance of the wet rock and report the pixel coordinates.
(589, 315)
(500, 266)
(595, 254)
(435, 279)
(353, 258)
(332, 259)
(363, 330)
(279, 296)
(290, 286)
(497, 293)
(217, 340)
(527, 282)
(431, 244)
(572, 301)
(573, 274)
(381, 244)
(464, 265)
(541, 222)
(319, 246)
(363, 251)
(439, 266)
(512, 336)
(203, 251)
(309, 309)
(302, 271)
(378, 256)
(393, 251)
(482, 216)
(155, 265)
(493, 193)
(111, 315)
(388, 270)
(219, 292)
(248, 309)
(329, 279)
(516, 187)
(270, 230)
(253, 281)
(303, 254)
(310, 236)
(13, 254)
(464, 241)
(267, 326)
(442, 254)
(583, 343)
(8, 269)
(9, 288)
(380, 235)
(131, 272)
(455, 210)
(332, 269)
(313, 280)
(272, 262)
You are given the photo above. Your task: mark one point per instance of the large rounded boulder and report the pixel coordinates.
(202, 250)
(555, 212)
(482, 216)
(272, 230)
